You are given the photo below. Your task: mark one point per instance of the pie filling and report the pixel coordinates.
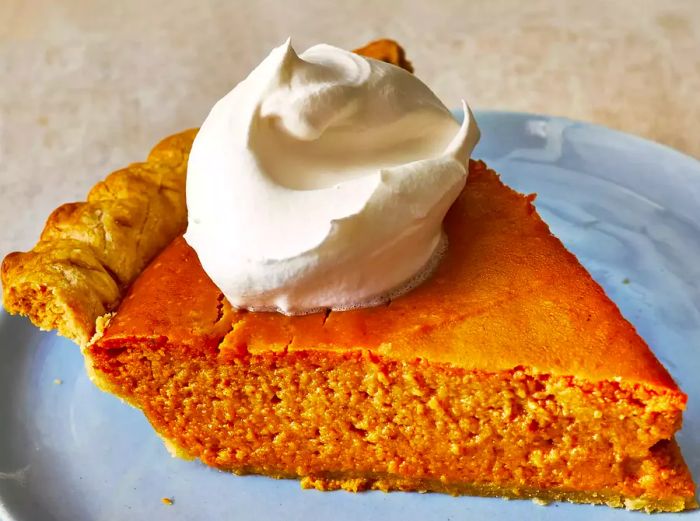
(508, 373)
(355, 420)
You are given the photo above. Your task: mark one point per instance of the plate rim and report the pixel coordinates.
(595, 126)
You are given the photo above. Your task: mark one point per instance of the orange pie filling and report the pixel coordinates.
(434, 391)
(356, 421)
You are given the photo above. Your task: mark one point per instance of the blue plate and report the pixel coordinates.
(629, 209)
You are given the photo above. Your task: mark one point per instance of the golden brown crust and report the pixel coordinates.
(660, 463)
(90, 252)
(387, 51)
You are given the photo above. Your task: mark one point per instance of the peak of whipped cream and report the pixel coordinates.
(322, 180)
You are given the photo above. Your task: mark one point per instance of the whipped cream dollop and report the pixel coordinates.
(322, 180)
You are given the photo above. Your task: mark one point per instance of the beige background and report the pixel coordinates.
(89, 86)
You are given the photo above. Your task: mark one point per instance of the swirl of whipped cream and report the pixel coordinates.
(322, 180)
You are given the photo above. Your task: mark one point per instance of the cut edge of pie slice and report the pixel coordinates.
(508, 373)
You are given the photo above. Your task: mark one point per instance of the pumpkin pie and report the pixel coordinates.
(508, 373)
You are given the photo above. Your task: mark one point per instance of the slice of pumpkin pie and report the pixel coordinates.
(506, 372)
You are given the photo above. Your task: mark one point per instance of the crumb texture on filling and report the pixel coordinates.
(358, 421)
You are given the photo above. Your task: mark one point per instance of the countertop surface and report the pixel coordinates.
(90, 86)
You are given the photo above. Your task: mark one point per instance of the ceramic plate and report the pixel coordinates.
(629, 209)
